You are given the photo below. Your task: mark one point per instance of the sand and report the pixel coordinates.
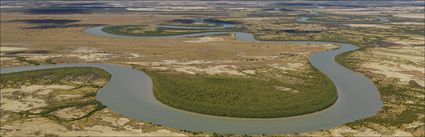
(205, 39)
(369, 26)
(11, 49)
(390, 70)
(288, 66)
(411, 15)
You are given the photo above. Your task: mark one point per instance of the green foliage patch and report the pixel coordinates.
(235, 96)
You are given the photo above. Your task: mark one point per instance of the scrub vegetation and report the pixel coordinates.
(359, 30)
(248, 97)
(92, 77)
(53, 76)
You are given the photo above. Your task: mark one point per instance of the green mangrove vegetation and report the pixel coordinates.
(248, 97)
(153, 30)
(144, 30)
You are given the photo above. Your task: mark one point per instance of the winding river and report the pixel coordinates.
(129, 92)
